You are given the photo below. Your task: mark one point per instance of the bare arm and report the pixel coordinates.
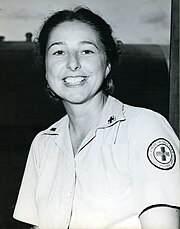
(160, 218)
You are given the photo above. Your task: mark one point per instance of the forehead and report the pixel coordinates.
(73, 30)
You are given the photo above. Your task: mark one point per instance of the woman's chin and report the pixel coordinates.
(75, 99)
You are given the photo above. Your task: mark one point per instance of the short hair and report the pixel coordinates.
(84, 15)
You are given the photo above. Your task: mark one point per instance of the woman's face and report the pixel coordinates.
(76, 64)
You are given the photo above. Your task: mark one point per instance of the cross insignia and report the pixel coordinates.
(111, 119)
(163, 153)
(53, 129)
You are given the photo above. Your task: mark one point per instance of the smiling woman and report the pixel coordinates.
(75, 65)
(105, 164)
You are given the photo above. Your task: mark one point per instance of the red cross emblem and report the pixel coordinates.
(161, 154)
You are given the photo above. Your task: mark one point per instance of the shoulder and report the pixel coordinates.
(136, 114)
(51, 131)
(140, 122)
(148, 128)
(46, 139)
(151, 138)
(144, 119)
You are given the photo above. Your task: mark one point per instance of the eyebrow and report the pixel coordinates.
(89, 42)
(56, 43)
(82, 42)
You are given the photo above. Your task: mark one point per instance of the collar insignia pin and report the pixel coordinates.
(111, 119)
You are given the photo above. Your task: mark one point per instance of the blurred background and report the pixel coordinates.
(147, 74)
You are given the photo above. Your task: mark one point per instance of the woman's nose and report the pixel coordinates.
(73, 62)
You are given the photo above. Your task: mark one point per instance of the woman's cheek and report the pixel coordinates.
(54, 70)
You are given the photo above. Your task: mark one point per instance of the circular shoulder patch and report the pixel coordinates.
(161, 154)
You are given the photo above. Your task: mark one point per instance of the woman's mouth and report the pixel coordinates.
(74, 80)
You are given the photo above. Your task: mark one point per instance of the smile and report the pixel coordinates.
(74, 81)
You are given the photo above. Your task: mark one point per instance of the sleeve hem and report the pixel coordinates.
(158, 205)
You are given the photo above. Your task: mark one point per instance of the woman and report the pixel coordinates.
(105, 164)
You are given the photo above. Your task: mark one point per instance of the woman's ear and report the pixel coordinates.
(108, 69)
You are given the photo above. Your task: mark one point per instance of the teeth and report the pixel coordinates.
(74, 80)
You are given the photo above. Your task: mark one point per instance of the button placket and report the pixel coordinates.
(71, 200)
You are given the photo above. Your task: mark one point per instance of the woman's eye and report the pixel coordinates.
(59, 52)
(84, 52)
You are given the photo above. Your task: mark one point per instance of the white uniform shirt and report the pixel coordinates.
(127, 164)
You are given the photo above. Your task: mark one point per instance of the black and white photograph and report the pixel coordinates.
(89, 114)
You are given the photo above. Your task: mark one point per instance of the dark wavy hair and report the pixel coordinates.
(84, 15)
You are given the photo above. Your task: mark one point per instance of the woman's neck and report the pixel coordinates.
(84, 116)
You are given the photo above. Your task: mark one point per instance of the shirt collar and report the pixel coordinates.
(112, 112)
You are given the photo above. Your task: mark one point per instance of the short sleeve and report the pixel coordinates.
(25, 209)
(154, 161)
